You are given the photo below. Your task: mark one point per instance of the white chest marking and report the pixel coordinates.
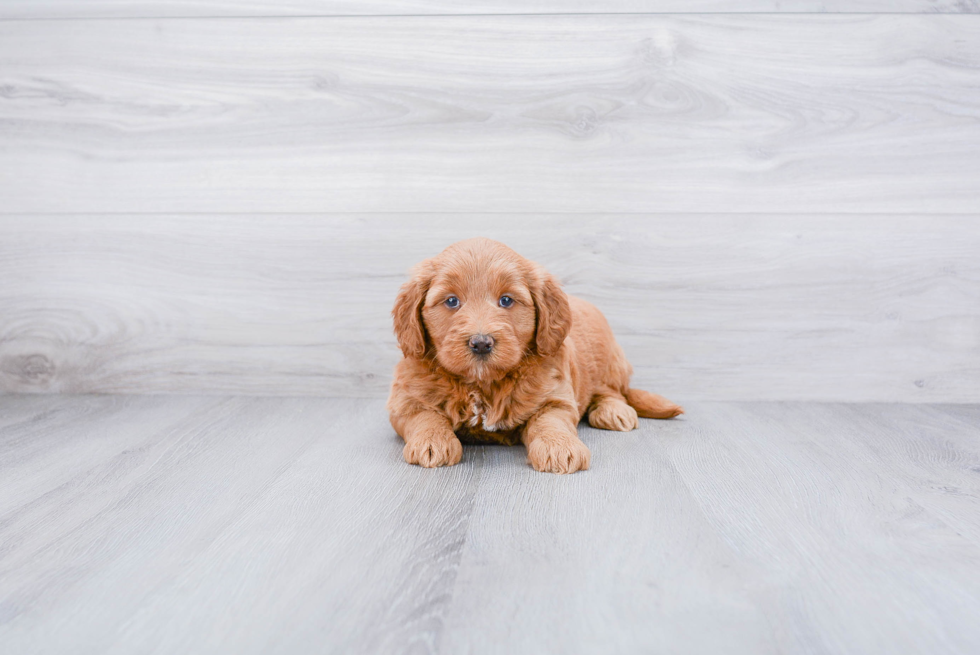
(479, 414)
(476, 407)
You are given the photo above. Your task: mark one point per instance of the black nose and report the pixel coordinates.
(481, 344)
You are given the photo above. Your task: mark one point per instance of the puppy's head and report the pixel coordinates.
(479, 308)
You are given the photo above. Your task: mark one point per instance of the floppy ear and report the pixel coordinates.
(409, 327)
(554, 313)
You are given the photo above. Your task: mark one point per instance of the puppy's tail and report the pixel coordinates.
(650, 405)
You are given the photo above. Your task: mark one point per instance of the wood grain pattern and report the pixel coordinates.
(62, 9)
(180, 493)
(508, 113)
(287, 525)
(707, 307)
(742, 528)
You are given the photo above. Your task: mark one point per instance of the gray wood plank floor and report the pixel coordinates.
(135, 524)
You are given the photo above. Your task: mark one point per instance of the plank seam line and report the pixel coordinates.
(598, 213)
(488, 15)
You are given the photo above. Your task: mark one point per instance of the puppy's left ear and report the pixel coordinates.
(409, 326)
(554, 314)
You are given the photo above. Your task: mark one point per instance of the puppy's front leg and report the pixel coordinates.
(553, 446)
(429, 439)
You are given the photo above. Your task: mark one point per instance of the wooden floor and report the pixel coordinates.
(133, 524)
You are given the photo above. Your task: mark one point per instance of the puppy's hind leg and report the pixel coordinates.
(610, 411)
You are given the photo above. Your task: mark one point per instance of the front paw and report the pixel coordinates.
(558, 454)
(431, 452)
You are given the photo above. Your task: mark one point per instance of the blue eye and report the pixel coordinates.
(452, 302)
(505, 301)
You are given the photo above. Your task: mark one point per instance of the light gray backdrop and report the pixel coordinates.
(224, 197)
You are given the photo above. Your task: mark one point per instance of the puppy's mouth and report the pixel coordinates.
(483, 358)
(482, 367)
(477, 356)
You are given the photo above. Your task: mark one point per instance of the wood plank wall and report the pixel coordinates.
(224, 196)
(36, 9)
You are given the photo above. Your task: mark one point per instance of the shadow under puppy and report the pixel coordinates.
(496, 351)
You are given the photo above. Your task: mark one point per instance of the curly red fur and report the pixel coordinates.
(554, 359)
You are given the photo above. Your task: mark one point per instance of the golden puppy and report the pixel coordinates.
(496, 351)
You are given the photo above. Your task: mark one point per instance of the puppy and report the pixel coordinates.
(494, 350)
